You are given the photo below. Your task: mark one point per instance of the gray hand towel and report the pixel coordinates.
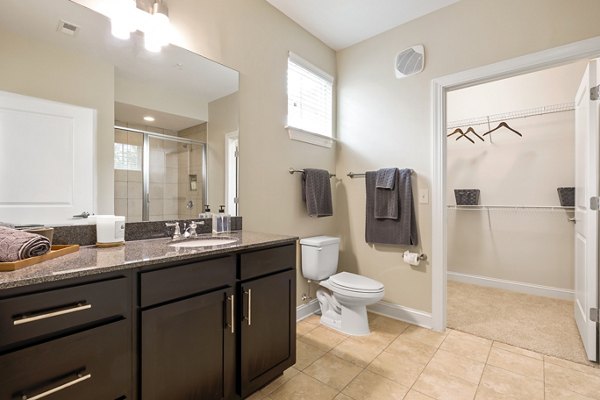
(386, 178)
(316, 192)
(18, 245)
(402, 231)
(387, 202)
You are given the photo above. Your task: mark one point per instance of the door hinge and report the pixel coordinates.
(594, 315)
(594, 203)
(236, 200)
(595, 93)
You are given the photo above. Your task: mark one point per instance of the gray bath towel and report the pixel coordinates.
(316, 192)
(387, 202)
(18, 245)
(392, 231)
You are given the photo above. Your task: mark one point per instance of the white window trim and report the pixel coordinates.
(302, 135)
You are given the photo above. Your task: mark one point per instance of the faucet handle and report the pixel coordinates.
(177, 232)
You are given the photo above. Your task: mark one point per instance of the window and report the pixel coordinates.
(310, 102)
(128, 156)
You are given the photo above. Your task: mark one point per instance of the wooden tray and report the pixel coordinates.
(55, 251)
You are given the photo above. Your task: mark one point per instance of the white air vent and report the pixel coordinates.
(67, 28)
(410, 61)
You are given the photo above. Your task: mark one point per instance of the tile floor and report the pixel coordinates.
(401, 361)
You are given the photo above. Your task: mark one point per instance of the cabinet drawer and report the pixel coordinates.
(39, 314)
(93, 364)
(267, 261)
(184, 280)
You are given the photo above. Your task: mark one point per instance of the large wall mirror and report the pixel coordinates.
(90, 123)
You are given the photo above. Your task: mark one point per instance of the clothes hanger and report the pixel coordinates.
(471, 130)
(503, 125)
(463, 134)
(457, 130)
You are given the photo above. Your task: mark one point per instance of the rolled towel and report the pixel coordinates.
(18, 245)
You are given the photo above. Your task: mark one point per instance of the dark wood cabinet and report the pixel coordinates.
(267, 338)
(187, 347)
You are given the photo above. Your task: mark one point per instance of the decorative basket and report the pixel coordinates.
(566, 196)
(466, 197)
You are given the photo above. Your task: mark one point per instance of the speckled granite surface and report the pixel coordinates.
(91, 260)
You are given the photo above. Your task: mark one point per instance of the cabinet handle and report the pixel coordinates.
(249, 293)
(26, 320)
(80, 378)
(232, 310)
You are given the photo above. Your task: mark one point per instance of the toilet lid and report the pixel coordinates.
(356, 283)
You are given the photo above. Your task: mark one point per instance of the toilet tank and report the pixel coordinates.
(319, 257)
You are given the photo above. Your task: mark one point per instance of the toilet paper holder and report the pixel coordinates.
(422, 257)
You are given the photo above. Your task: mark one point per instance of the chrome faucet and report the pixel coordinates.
(177, 233)
(190, 231)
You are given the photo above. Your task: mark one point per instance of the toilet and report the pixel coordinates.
(344, 303)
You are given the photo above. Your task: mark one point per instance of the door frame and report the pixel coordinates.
(589, 48)
(229, 137)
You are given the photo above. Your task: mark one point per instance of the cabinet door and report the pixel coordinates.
(268, 329)
(187, 349)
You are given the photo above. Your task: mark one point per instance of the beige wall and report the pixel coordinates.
(384, 122)
(37, 69)
(254, 38)
(223, 115)
(522, 244)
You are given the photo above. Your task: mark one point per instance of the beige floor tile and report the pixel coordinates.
(342, 396)
(575, 381)
(257, 396)
(313, 319)
(333, 371)
(358, 352)
(303, 387)
(426, 336)
(388, 326)
(466, 345)
(323, 338)
(414, 395)
(442, 386)
(457, 366)
(517, 363)
(518, 350)
(405, 347)
(396, 368)
(556, 393)
(287, 375)
(370, 386)
(304, 327)
(573, 365)
(306, 355)
(497, 383)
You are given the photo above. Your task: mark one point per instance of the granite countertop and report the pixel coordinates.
(90, 260)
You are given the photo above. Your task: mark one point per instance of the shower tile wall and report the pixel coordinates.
(190, 163)
(163, 180)
(128, 181)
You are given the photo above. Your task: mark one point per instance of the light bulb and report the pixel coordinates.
(122, 22)
(158, 28)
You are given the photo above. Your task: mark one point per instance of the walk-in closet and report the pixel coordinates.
(511, 173)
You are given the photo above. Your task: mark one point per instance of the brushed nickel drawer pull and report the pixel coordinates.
(26, 320)
(232, 309)
(249, 307)
(58, 388)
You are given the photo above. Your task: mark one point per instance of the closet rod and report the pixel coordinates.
(362, 175)
(556, 108)
(516, 207)
(293, 171)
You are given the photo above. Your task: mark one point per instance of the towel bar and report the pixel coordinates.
(362, 175)
(293, 171)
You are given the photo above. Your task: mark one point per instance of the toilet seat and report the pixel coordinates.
(355, 283)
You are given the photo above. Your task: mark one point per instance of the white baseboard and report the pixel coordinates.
(527, 288)
(306, 310)
(396, 311)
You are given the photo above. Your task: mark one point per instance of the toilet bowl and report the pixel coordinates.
(345, 296)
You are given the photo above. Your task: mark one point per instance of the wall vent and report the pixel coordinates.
(67, 28)
(410, 61)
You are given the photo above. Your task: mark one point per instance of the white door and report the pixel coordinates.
(231, 172)
(47, 160)
(586, 228)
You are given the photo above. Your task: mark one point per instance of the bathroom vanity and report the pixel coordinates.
(146, 322)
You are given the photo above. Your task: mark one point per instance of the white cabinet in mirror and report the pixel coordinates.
(91, 123)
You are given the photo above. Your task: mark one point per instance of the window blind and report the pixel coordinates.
(310, 97)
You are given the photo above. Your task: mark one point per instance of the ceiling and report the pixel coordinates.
(163, 120)
(342, 23)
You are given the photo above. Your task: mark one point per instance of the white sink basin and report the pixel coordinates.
(204, 242)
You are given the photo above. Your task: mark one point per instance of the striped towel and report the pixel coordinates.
(18, 245)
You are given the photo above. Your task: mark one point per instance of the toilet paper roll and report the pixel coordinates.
(411, 258)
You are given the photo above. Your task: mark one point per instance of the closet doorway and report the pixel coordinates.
(511, 218)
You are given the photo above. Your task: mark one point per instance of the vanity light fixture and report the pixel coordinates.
(123, 20)
(149, 118)
(158, 28)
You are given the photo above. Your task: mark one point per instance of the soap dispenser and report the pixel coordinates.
(221, 221)
(206, 213)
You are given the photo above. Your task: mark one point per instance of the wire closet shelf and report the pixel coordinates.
(532, 112)
(509, 207)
